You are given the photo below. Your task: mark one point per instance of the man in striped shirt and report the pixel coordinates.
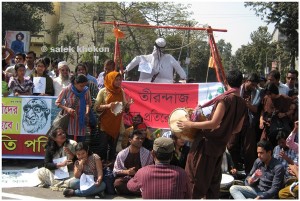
(162, 180)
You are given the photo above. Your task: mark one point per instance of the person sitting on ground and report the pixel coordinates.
(291, 191)
(228, 165)
(57, 146)
(87, 164)
(162, 180)
(180, 153)
(268, 179)
(142, 127)
(129, 161)
(285, 155)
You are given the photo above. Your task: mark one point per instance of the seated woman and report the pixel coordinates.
(88, 164)
(180, 153)
(57, 146)
(19, 85)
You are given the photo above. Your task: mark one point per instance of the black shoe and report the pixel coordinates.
(68, 192)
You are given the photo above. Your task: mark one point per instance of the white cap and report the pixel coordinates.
(160, 42)
(61, 64)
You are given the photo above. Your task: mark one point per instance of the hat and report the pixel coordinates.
(61, 64)
(160, 42)
(163, 145)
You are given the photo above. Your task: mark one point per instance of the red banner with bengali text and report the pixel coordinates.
(155, 101)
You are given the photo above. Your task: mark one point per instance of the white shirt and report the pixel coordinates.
(28, 72)
(59, 85)
(165, 68)
(283, 89)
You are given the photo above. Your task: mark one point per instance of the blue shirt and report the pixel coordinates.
(290, 153)
(271, 180)
(91, 78)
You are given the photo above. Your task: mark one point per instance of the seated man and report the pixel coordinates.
(129, 161)
(285, 155)
(138, 124)
(290, 191)
(162, 180)
(265, 185)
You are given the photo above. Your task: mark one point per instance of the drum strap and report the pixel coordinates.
(213, 101)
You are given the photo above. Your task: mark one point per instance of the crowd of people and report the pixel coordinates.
(253, 128)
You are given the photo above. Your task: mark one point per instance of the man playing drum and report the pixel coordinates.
(205, 157)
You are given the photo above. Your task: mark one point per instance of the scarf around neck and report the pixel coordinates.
(82, 101)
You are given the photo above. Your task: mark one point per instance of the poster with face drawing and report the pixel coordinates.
(36, 117)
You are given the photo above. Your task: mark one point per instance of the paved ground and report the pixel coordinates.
(35, 193)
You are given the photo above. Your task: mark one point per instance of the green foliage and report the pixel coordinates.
(285, 16)
(24, 16)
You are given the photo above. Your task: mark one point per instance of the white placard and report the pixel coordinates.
(20, 178)
(145, 67)
(86, 181)
(61, 172)
(39, 84)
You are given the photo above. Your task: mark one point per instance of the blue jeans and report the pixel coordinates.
(93, 190)
(243, 192)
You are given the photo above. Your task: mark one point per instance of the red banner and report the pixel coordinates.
(23, 146)
(156, 101)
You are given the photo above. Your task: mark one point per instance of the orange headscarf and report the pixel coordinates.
(109, 122)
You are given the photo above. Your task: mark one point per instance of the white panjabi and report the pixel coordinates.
(163, 64)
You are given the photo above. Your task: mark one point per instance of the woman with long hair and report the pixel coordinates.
(40, 71)
(89, 164)
(77, 101)
(57, 146)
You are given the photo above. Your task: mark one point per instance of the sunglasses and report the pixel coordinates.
(290, 78)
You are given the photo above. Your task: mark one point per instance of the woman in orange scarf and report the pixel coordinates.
(111, 123)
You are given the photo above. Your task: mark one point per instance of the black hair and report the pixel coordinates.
(281, 135)
(275, 74)
(32, 52)
(110, 62)
(253, 77)
(163, 156)
(266, 145)
(20, 34)
(83, 65)
(234, 78)
(272, 88)
(51, 145)
(55, 63)
(135, 132)
(293, 71)
(83, 146)
(47, 61)
(20, 54)
(17, 66)
(78, 79)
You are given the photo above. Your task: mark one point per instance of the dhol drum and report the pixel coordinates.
(226, 182)
(181, 114)
(117, 108)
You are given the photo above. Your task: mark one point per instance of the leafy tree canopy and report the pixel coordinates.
(24, 16)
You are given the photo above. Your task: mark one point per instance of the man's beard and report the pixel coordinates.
(64, 77)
